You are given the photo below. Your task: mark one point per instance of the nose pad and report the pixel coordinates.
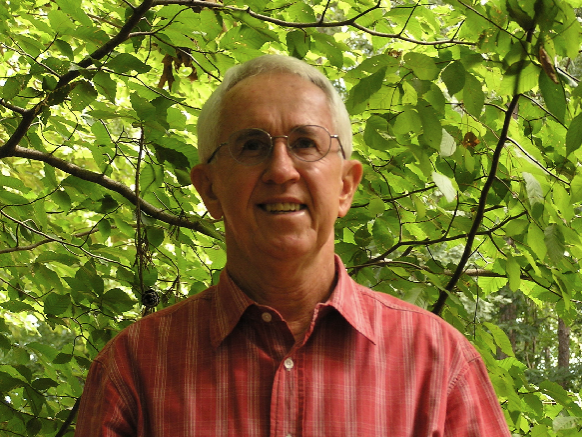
(280, 165)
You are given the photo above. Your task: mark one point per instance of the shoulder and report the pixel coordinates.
(396, 320)
(172, 324)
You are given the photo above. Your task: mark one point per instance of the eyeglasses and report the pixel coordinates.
(252, 146)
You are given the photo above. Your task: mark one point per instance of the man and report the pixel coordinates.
(286, 344)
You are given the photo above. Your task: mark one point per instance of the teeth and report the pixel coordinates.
(282, 207)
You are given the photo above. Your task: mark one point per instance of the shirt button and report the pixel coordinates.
(288, 364)
(267, 317)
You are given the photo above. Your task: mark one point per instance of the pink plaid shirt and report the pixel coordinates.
(217, 364)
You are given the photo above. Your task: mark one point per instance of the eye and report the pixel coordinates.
(250, 142)
(304, 143)
(254, 145)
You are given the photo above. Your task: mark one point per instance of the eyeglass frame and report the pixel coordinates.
(288, 146)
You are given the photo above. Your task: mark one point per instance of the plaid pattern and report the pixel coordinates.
(217, 364)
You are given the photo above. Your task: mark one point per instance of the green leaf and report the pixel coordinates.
(51, 257)
(407, 121)
(500, 338)
(376, 128)
(144, 109)
(118, 300)
(155, 236)
(514, 272)
(36, 400)
(422, 65)
(56, 304)
(533, 188)
(62, 199)
(576, 189)
(454, 77)
(14, 85)
(106, 85)
(82, 95)
(63, 358)
(560, 395)
(448, 144)
(363, 90)
(8, 383)
(445, 185)
(376, 206)
(104, 229)
(554, 240)
(473, 96)
(33, 426)
(554, 96)
(574, 135)
(75, 10)
(124, 62)
(60, 20)
(298, 43)
(327, 45)
(536, 241)
(523, 16)
(43, 384)
(65, 48)
(431, 126)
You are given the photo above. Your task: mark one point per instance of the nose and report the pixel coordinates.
(280, 166)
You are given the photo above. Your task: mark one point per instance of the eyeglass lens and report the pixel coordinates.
(252, 146)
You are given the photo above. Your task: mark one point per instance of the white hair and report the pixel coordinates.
(209, 118)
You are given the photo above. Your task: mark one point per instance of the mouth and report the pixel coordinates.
(283, 207)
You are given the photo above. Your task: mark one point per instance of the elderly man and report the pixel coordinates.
(286, 344)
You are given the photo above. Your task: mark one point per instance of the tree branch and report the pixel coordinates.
(65, 427)
(319, 23)
(479, 214)
(469, 272)
(110, 184)
(12, 107)
(29, 115)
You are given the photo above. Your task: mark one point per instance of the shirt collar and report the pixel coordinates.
(229, 305)
(231, 302)
(348, 300)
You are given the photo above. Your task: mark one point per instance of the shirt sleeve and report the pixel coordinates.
(473, 409)
(104, 411)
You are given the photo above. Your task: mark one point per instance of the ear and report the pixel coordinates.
(202, 178)
(352, 174)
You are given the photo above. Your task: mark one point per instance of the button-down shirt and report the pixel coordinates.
(217, 364)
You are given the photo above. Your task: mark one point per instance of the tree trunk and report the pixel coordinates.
(563, 352)
(507, 316)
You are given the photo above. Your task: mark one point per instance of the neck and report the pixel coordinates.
(292, 287)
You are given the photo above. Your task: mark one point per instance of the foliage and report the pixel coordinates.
(466, 115)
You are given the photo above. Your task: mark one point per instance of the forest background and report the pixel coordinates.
(466, 115)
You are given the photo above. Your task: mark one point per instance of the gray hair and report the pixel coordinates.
(209, 118)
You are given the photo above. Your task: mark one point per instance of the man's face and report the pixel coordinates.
(283, 206)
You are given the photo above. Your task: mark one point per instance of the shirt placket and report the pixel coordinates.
(284, 399)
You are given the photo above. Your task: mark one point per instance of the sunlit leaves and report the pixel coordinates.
(574, 135)
(422, 65)
(553, 94)
(363, 90)
(473, 96)
(454, 77)
(445, 185)
(427, 121)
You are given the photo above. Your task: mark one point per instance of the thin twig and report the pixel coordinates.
(536, 162)
(123, 190)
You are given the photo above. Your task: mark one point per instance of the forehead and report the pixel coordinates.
(274, 100)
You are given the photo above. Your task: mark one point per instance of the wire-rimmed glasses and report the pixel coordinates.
(252, 146)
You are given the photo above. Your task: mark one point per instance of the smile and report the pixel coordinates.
(282, 207)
